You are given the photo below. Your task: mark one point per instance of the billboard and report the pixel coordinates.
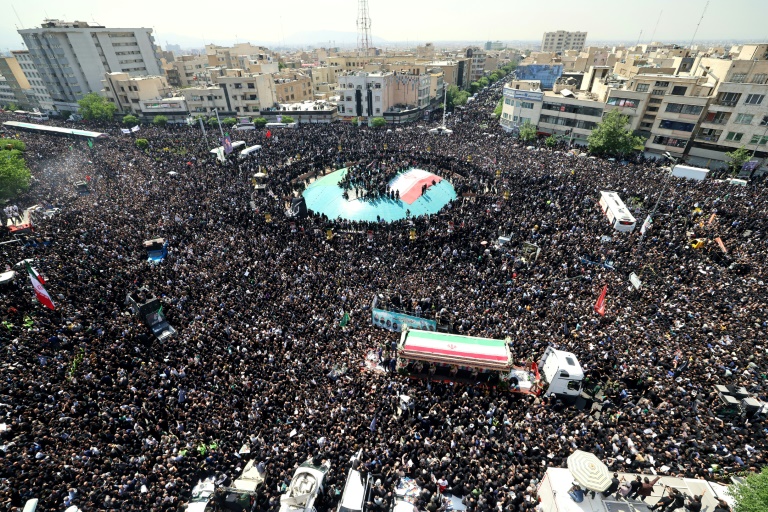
(395, 321)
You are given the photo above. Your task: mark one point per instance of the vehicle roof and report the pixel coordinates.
(567, 361)
(354, 491)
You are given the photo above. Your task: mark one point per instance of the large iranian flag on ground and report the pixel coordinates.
(42, 295)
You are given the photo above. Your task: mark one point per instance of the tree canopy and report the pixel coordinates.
(455, 96)
(378, 122)
(130, 119)
(160, 120)
(260, 122)
(527, 132)
(14, 174)
(752, 494)
(288, 119)
(229, 121)
(738, 157)
(612, 138)
(96, 108)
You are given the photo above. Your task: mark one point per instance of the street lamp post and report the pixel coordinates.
(651, 215)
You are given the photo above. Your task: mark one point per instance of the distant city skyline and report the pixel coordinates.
(400, 21)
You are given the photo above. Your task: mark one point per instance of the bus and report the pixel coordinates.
(236, 144)
(281, 125)
(616, 212)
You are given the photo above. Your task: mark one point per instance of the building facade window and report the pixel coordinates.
(669, 141)
(659, 92)
(667, 124)
(642, 87)
(734, 136)
(661, 84)
(744, 119)
(679, 90)
(738, 78)
(623, 102)
(759, 78)
(758, 139)
(684, 109)
(754, 99)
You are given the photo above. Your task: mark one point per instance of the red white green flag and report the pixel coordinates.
(37, 274)
(42, 295)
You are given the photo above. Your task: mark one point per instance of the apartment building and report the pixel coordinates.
(736, 116)
(37, 92)
(324, 81)
(15, 81)
(72, 57)
(7, 96)
(144, 97)
(292, 87)
(476, 57)
(186, 70)
(563, 40)
(455, 72)
(522, 103)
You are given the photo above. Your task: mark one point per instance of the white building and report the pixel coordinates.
(72, 57)
(476, 58)
(562, 40)
(38, 93)
(363, 94)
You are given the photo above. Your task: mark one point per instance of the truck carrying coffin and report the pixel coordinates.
(487, 362)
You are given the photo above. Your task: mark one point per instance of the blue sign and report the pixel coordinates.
(527, 95)
(395, 321)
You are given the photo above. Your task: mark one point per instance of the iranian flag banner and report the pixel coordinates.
(42, 295)
(36, 274)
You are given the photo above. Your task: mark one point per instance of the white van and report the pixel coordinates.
(616, 212)
(355, 492)
(248, 151)
(281, 125)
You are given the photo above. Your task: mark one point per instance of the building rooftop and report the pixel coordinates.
(307, 106)
(570, 95)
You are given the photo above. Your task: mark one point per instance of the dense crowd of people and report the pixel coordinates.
(98, 415)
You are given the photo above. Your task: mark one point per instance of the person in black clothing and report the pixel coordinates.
(663, 502)
(694, 504)
(636, 484)
(614, 486)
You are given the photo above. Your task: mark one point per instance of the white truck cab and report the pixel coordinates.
(561, 372)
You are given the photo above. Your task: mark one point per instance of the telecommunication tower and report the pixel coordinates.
(363, 27)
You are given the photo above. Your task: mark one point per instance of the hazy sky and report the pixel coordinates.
(402, 20)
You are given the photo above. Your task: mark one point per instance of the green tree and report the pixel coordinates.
(499, 108)
(495, 76)
(142, 143)
(752, 494)
(738, 157)
(280, 66)
(378, 122)
(455, 96)
(12, 106)
(160, 121)
(212, 121)
(527, 132)
(229, 121)
(483, 82)
(288, 120)
(612, 138)
(474, 87)
(131, 119)
(7, 144)
(551, 141)
(96, 108)
(260, 122)
(14, 175)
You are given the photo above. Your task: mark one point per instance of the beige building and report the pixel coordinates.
(186, 70)
(563, 40)
(16, 81)
(144, 97)
(37, 92)
(292, 87)
(476, 57)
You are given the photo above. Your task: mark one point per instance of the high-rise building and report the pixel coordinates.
(37, 92)
(15, 80)
(563, 40)
(72, 57)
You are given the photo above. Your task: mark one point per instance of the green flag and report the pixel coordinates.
(90, 143)
(344, 320)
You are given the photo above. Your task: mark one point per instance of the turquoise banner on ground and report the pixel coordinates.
(395, 321)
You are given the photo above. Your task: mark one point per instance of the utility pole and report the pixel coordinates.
(216, 111)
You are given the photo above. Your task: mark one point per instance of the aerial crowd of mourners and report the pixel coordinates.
(100, 415)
